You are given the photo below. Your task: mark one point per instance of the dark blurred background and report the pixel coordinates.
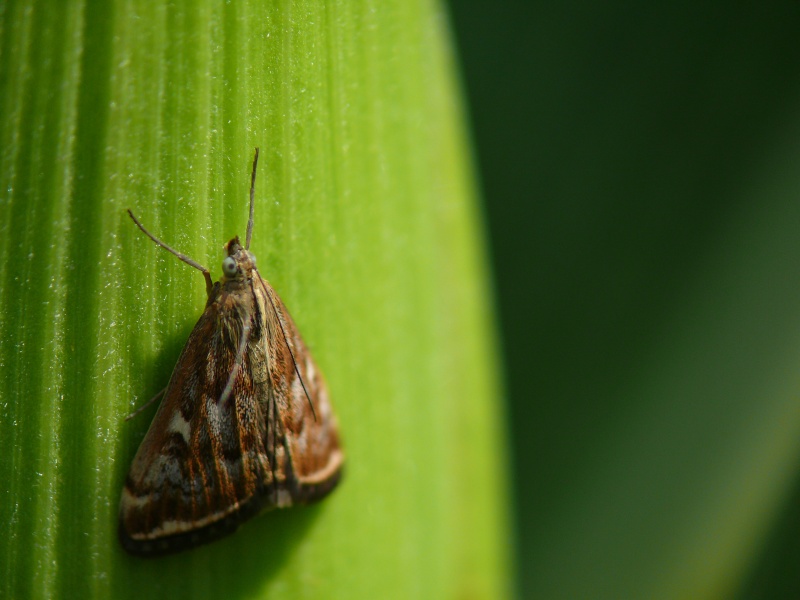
(640, 166)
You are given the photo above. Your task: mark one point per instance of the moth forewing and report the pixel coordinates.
(245, 423)
(308, 420)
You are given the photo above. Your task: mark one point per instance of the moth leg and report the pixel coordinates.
(145, 405)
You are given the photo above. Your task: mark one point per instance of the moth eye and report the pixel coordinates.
(229, 266)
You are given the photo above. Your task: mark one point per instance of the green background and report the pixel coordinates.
(367, 226)
(641, 173)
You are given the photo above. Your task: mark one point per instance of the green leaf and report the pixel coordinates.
(366, 225)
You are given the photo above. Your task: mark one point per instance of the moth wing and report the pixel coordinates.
(203, 467)
(309, 454)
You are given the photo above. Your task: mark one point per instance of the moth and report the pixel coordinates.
(245, 423)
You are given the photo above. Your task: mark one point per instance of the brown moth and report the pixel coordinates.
(245, 423)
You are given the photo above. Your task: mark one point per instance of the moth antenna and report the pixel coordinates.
(252, 203)
(288, 346)
(237, 364)
(183, 257)
(145, 405)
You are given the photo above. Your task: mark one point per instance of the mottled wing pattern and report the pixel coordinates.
(208, 463)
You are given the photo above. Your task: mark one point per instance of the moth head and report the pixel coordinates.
(239, 263)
